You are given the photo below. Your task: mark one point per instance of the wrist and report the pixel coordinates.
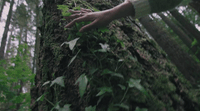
(122, 10)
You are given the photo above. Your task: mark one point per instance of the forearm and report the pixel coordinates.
(122, 10)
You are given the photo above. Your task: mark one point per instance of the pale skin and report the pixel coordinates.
(101, 18)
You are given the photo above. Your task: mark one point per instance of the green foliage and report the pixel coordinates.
(136, 84)
(64, 9)
(12, 74)
(82, 80)
(90, 108)
(59, 81)
(195, 42)
(138, 109)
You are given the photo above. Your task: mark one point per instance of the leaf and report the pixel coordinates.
(73, 58)
(77, 8)
(65, 108)
(71, 43)
(195, 42)
(46, 83)
(82, 80)
(117, 75)
(122, 87)
(41, 98)
(112, 108)
(143, 109)
(107, 71)
(92, 70)
(103, 29)
(104, 90)
(59, 81)
(105, 47)
(90, 108)
(122, 106)
(136, 84)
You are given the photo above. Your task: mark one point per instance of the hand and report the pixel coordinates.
(98, 19)
(101, 18)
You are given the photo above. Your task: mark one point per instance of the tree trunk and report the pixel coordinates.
(132, 56)
(195, 5)
(37, 40)
(186, 23)
(2, 6)
(180, 33)
(9, 44)
(3, 41)
(18, 105)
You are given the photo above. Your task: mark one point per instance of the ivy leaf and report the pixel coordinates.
(122, 87)
(103, 29)
(122, 106)
(90, 108)
(46, 83)
(194, 43)
(143, 109)
(105, 47)
(82, 80)
(59, 81)
(106, 71)
(77, 8)
(104, 90)
(71, 43)
(112, 108)
(41, 98)
(65, 108)
(136, 84)
(73, 58)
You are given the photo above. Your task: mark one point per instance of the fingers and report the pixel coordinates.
(80, 19)
(89, 26)
(73, 16)
(80, 11)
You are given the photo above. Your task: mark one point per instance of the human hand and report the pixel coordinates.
(97, 19)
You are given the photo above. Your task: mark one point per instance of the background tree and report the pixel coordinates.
(5, 34)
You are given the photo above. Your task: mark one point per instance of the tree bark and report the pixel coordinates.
(9, 44)
(37, 40)
(2, 6)
(131, 54)
(4, 38)
(186, 24)
(180, 33)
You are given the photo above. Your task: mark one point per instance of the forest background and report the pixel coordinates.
(21, 23)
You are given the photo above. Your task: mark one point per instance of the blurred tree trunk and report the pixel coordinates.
(195, 5)
(131, 54)
(37, 39)
(180, 33)
(4, 38)
(9, 43)
(2, 6)
(19, 91)
(186, 65)
(186, 24)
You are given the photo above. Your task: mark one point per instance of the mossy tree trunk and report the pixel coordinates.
(132, 72)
